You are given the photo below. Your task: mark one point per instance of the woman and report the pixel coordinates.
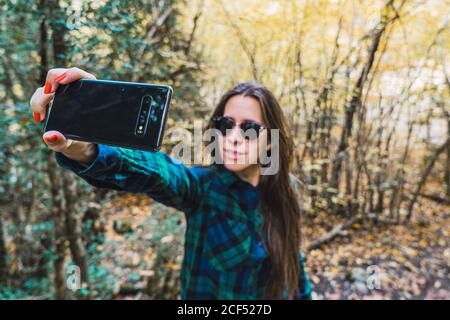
(243, 227)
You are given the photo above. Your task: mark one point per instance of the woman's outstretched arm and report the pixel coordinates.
(156, 174)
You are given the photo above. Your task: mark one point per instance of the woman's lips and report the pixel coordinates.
(233, 154)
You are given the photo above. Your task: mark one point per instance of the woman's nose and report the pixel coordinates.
(236, 135)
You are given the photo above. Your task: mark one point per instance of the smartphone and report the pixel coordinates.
(124, 114)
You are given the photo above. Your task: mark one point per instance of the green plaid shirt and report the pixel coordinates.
(224, 257)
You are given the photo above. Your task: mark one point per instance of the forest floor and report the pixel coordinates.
(367, 261)
(382, 261)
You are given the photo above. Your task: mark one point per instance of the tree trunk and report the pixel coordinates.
(72, 219)
(447, 166)
(74, 225)
(58, 26)
(425, 175)
(58, 219)
(354, 105)
(3, 266)
(355, 101)
(43, 42)
(54, 177)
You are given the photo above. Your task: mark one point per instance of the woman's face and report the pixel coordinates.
(237, 152)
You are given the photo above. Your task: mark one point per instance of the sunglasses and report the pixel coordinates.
(226, 124)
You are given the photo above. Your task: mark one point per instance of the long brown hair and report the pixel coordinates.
(281, 210)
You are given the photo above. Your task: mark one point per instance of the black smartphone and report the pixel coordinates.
(125, 114)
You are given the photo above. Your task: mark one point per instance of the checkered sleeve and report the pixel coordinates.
(156, 174)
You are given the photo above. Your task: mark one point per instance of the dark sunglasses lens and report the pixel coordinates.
(251, 130)
(224, 124)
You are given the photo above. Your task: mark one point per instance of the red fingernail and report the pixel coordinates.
(60, 77)
(37, 117)
(47, 88)
(51, 138)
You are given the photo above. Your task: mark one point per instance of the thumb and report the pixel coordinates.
(56, 141)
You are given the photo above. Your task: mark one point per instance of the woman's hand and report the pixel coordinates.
(76, 150)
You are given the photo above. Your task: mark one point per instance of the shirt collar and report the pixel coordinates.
(228, 177)
(243, 192)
